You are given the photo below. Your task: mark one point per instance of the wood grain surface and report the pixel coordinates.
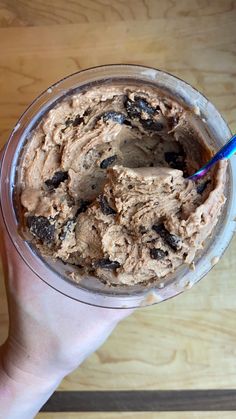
(188, 342)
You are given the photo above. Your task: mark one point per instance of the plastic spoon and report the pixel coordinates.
(224, 153)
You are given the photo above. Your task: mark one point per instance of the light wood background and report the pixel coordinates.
(188, 342)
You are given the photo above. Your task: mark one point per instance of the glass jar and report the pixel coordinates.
(90, 290)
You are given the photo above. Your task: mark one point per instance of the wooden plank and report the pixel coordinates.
(142, 401)
(139, 415)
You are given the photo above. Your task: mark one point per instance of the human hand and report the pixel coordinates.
(49, 334)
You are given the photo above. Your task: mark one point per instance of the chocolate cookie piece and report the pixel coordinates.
(68, 122)
(173, 121)
(73, 122)
(107, 264)
(135, 107)
(105, 207)
(114, 116)
(142, 230)
(108, 162)
(57, 178)
(83, 205)
(77, 121)
(171, 240)
(152, 125)
(175, 160)
(41, 228)
(68, 227)
(157, 254)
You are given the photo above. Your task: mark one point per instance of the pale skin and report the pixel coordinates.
(49, 336)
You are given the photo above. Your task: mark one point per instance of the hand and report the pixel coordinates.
(49, 334)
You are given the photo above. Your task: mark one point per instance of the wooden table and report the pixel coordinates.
(183, 350)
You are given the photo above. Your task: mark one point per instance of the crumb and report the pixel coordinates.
(75, 276)
(192, 266)
(196, 110)
(188, 284)
(215, 260)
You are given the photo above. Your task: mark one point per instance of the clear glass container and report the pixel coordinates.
(90, 290)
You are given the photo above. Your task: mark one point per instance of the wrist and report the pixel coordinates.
(22, 369)
(40, 359)
(22, 393)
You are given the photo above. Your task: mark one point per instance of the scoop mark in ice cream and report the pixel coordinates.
(57, 178)
(105, 207)
(41, 228)
(171, 239)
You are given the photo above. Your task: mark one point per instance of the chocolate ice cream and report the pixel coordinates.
(104, 184)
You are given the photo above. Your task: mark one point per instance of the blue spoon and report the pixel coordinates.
(224, 153)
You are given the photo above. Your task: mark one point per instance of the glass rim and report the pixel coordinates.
(33, 113)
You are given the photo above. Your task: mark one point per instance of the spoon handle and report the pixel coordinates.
(224, 153)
